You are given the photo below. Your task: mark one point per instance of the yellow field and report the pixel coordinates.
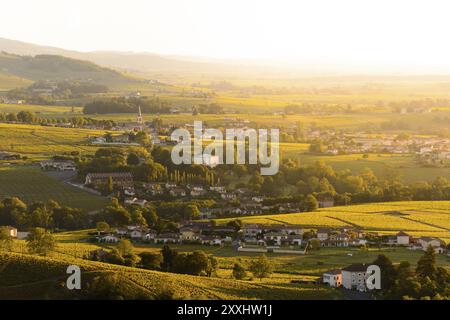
(31, 273)
(42, 110)
(420, 218)
(38, 141)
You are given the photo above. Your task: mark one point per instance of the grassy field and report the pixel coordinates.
(8, 82)
(43, 111)
(31, 184)
(381, 164)
(427, 218)
(38, 141)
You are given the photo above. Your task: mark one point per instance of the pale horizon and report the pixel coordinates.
(405, 36)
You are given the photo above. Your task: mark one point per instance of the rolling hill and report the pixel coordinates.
(136, 62)
(57, 68)
(24, 276)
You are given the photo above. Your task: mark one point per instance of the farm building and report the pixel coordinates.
(121, 179)
(60, 165)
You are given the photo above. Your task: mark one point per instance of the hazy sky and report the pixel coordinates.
(387, 32)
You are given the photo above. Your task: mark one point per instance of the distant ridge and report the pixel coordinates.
(130, 61)
(57, 68)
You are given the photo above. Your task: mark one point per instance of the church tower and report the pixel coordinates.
(139, 117)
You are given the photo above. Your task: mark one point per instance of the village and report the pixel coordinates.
(280, 239)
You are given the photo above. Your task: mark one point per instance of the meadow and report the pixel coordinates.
(30, 184)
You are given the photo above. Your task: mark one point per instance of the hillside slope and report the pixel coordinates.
(57, 68)
(137, 62)
(418, 218)
(30, 277)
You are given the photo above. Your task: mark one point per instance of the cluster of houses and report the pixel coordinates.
(9, 156)
(349, 237)
(58, 165)
(118, 139)
(279, 238)
(204, 233)
(433, 148)
(249, 202)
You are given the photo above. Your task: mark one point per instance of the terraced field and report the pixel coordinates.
(419, 218)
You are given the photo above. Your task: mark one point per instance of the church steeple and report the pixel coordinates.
(139, 117)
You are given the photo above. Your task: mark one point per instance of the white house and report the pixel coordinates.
(211, 240)
(136, 201)
(109, 239)
(295, 239)
(402, 238)
(149, 235)
(436, 243)
(21, 235)
(252, 230)
(188, 234)
(323, 234)
(333, 278)
(354, 277)
(167, 238)
(12, 231)
(138, 234)
(292, 229)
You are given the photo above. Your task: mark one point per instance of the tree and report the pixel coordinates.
(169, 256)
(236, 224)
(151, 260)
(150, 216)
(388, 272)
(239, 272)
(137, 218)
(115, 215)
(125, 247)
(126, 250)
(110, 185)
(142, 138)
(317, 147)
(314, 244)
(6, 241)
(406, 285)
(40, 241)
(191, 211)
(310, 203)
(102, 226)
(197, 262)
(261, 267)
(132, 159)
(41, 217)
(426, 266)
